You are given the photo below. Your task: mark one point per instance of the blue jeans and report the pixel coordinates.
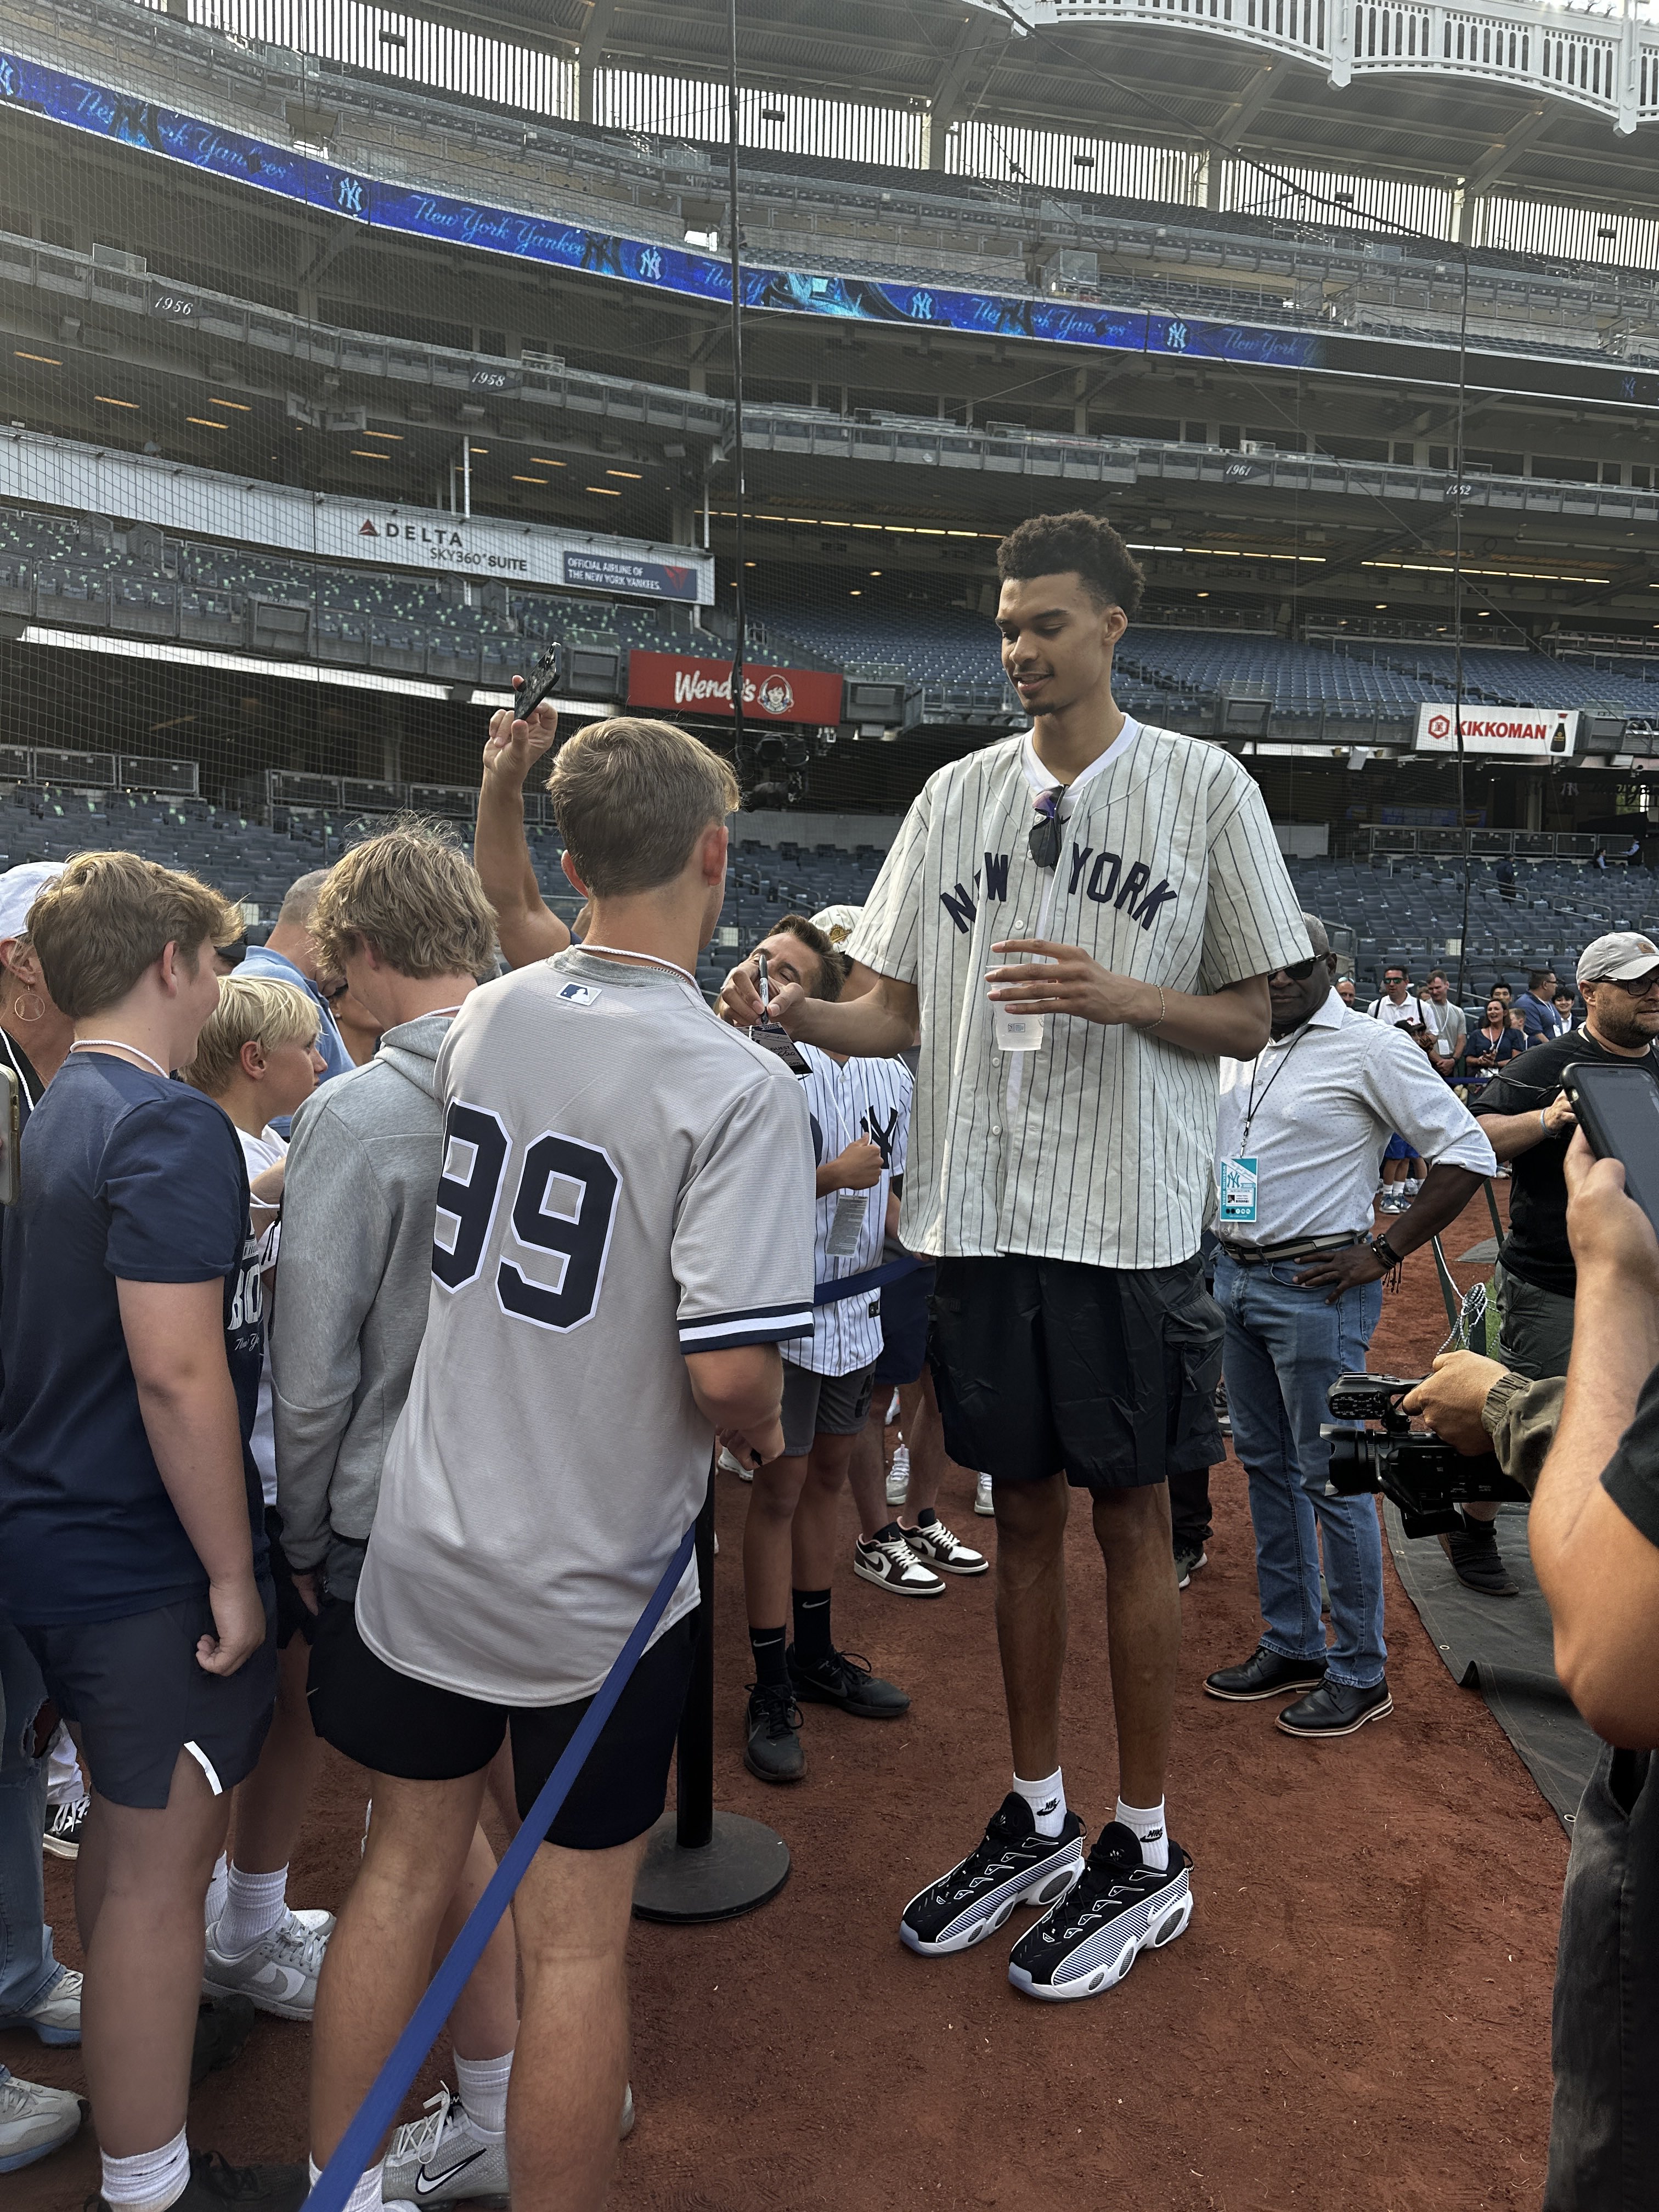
(1284, 1346)
(27, 1968)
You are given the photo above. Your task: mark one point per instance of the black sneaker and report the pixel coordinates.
(1119, 1907)
(223, 2025)
(1188, 1559)
(773, 1750)
(1012, 1866)
(845, 1680)
(65, 1827)
(1476, 1560)
(214, 2182)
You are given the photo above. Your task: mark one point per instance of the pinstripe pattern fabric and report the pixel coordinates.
(1100, 1146)
(840, 1099)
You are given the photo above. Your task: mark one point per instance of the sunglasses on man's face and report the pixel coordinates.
(1298, 971)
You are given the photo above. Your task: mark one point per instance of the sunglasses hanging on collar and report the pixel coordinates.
(1043, 842)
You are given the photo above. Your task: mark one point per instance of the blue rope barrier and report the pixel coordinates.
(356, 2147)
(854, 1286)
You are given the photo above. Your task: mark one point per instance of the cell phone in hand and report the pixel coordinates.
(537, 684)
(1618, 1110)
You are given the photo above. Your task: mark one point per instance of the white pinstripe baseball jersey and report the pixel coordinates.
(1099, 1146)
(842, 1101)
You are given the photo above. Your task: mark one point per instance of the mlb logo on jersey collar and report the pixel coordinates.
(579, 994)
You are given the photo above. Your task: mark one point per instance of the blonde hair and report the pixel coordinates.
(252, 1010)
(412, 896)
(109, 916)
(631, 798)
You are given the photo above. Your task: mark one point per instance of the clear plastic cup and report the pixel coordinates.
(1016, 1031)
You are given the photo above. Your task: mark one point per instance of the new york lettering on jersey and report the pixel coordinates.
(1096, 1148)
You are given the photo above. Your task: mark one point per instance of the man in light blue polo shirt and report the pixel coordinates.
(289, 955)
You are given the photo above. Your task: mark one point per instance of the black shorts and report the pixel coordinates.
(294, 1616)
(1107, 1373)
(134, 1690)
(904, 1326)
(392, 1724)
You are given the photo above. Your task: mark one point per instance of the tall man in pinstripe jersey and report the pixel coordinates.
(1121, 882)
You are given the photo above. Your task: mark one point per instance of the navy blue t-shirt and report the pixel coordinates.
(124, 1177)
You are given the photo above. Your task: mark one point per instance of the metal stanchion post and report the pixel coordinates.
(701, 1864)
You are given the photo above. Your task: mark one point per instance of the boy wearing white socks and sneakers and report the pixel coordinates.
(133, 1559)
(257, 1059)
(402, 917)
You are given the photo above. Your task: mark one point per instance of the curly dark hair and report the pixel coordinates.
(1084, 545)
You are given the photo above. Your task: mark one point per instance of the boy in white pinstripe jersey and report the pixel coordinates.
(1062, 1172)
(860, 1112)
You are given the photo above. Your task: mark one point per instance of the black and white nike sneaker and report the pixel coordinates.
(1012, 1866)
(1119, 1907)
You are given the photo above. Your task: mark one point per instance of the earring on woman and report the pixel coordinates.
(19, 1013)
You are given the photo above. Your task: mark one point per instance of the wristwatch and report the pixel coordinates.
(1384, 1252)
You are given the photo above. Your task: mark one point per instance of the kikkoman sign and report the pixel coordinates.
(1541, 734)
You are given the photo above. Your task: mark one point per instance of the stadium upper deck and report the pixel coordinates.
(373, 270)
(1193, 247)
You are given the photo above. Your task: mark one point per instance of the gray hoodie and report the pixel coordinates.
(353, 1283)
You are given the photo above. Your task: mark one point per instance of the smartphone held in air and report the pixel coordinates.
(537, 684)
(1618, 1110)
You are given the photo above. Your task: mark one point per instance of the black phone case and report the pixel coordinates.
(537, 685)
(1642, 1173)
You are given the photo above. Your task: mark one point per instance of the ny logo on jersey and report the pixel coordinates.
(1108, 884)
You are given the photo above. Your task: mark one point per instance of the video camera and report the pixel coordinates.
(1425, 1477)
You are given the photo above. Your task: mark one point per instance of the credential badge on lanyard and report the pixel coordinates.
(1238, 1189)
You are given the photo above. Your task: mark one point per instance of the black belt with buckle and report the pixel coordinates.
(1296, 1248)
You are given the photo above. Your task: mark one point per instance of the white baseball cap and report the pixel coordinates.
(837, 922)
(19, 889)
(1618, 957)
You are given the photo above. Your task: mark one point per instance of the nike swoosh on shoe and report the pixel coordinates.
(425, 2182)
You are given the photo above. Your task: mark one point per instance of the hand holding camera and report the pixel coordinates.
(1426, 1477)
(1450, 1401)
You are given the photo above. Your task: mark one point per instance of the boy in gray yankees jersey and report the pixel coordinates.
(1121, 883)
(621, 1240)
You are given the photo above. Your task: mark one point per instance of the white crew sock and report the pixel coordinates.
(217, 1888)
(366, 2196)
(1146, 1824)
(149, 2182)
(1047, 1800)
(254, 1902)
(483, 2084)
